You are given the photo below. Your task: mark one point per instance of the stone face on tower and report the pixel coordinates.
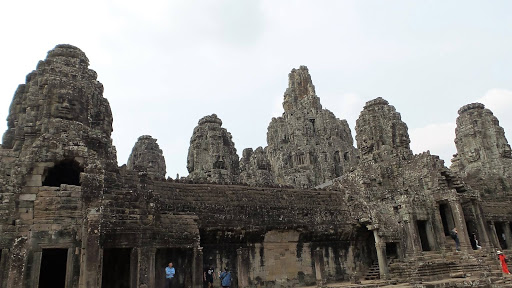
(381, 134)
(212, 154)
(308, 145)
(61, 90)
(482, 148)
(147, 157)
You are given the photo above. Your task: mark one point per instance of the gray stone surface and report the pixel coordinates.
(307, 145)
(255, 168)
(483, 152)
(147, 157)
(212, 154)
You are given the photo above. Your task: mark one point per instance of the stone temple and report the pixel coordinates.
(308, 209)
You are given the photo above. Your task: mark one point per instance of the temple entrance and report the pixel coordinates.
(64, 172)
(116, 268)
(446, 218)
(423, 233)
(500, 232)
(182, 263)
(53, 268)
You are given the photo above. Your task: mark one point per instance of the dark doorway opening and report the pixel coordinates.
(391, 250)
(446, 212)
(64, 172)
(501, 235)
(181, 260)
(422, 230)
(53, 268)
(116, 268)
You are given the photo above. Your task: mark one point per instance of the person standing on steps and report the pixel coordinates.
(455, 237)
(502, 258)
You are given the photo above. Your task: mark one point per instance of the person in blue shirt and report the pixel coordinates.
(169, 275)
(225, 278)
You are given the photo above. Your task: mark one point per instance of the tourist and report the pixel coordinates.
(455, 237)
(208, 276)
(502, 258)
(225, 278)
(474, 242)
(169, 275)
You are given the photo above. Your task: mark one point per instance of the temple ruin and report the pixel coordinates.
(308, 209)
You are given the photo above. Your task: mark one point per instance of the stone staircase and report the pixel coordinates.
(373, 272)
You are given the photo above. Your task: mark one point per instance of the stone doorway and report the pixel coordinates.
(423, 232)
(116, 268)
(446, 218)
(392, 250)
(53, 268)
(182, 263)
(500, 232)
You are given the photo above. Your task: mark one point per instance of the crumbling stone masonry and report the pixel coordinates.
(71, 217)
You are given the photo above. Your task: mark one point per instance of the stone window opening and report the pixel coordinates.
(53, 268)
(65, 172)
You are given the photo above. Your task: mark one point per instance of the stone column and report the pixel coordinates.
(145, 267)
(36, 267)
(460, 223)
(438, 229)
(92, 254)
(243, 267)
(3, 267)
(413, 241)
(380, 246)
(69, 267)
(494, 236)
(319, 268)
(17, 263)
(197, 267)
(483, 236)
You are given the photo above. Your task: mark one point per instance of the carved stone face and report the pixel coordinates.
(366, 146)
(67, 105)
(473, 155)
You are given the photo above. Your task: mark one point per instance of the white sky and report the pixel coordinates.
(165, 64)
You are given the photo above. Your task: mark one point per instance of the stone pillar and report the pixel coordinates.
(460, 223)
(36, 267)
(145, 264)
(69, 267)
(3, 267)
(380, 246)
(494, 236)
(242, 267)
(439, 228)
(483, 236)
(197, 267)
(319, 268)
(16, 263)
(413, 241)
(92, 254)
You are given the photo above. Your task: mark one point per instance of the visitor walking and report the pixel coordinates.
(455, 237)
(502, 258)
(225, 278)
(208, 276)
(169, 275)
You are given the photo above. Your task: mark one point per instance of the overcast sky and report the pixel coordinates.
(165, 64)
